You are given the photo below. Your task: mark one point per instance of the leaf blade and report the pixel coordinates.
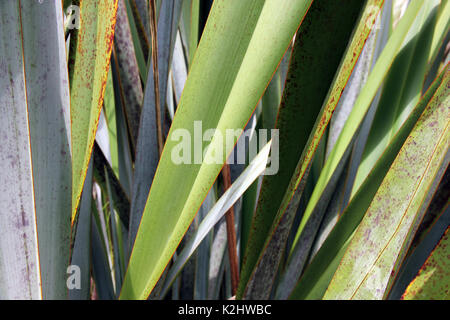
(403, 194)
(274, 215)
(19, 262)
(89, 66)
(230, 73)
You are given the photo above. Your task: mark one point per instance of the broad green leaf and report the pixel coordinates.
(381, 240)
(252, 172)
(433, 280)
(372, 50)
(88, 66)
(299, 178)
(231, 69)
(323, 36)
(317, 276)
(402, 89)
(360, 109)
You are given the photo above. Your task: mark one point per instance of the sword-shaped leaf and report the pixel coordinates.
(88, 66)
(19, 261)
(372, 259)
(230, 72)
(302, 120)
(316, 278)
(35, 164)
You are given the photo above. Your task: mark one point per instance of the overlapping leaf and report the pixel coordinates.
(300, 131)
(230, 72)
(381, 240)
